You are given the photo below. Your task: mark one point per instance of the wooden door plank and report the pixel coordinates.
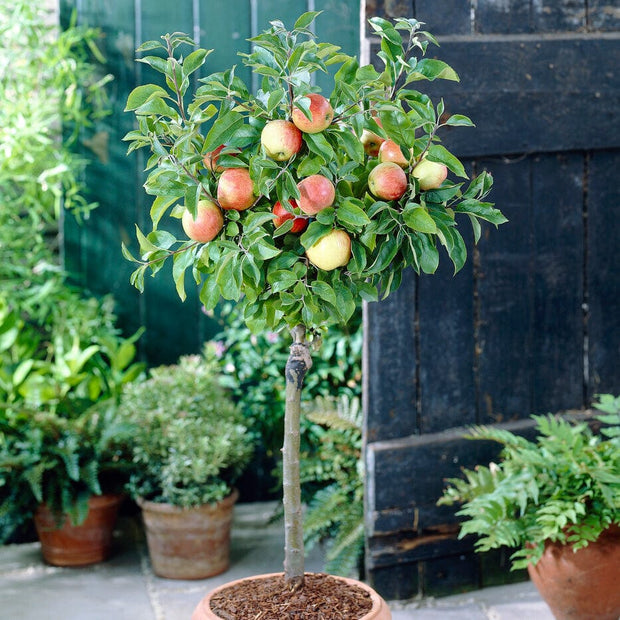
(390, 364)
(504, 329)
(558, 237)
(603, 273)
(531, 90)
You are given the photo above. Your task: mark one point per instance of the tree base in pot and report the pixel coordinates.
(267, 597)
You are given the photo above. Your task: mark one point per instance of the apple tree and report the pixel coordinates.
(297, 204)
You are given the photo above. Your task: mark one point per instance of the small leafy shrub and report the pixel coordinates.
(189, 442)
(562, 487)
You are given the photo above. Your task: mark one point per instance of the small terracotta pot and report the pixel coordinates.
(379, 611)
(188, 543)
(78, 545)
(581, 585)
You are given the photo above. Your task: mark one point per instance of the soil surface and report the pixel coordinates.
(321, 598)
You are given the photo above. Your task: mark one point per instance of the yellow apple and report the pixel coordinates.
(430, 174)
(331, 251)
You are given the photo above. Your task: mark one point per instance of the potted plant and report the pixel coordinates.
(289, 209)
(62, 455)
(189, 446)
(557, 500)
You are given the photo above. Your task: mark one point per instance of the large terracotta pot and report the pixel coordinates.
(188, 543)
(581, 585)
(379, 611)
(78, 545)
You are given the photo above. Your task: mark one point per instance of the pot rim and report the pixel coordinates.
(166, 508)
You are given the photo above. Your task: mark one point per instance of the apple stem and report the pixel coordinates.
(297, 365)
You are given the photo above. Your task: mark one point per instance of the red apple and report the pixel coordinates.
(235, 189)
(207, 224)
(331, 251)
(430, 174)
(387, 181)
(316, 193)
(390, 151)
(282, 215)
(280, 139)
(321, 111)
(210, 159)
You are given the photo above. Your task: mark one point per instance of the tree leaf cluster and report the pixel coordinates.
(252, 263)
(563, 487)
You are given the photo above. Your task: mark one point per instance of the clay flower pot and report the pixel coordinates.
(581, 585)
(203, 611)
(78, 545)
(188, 543)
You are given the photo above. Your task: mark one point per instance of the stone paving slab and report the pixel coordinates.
(125, 588)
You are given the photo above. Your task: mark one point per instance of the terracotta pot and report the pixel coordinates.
(188, 543)
(379, 611)
(581, 585)
(78, 545)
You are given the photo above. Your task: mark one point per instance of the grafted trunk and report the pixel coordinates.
(297, 365)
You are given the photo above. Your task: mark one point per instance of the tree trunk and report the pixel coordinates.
(297, 365)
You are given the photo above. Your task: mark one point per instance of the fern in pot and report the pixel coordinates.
(189, 446)
(557, 500)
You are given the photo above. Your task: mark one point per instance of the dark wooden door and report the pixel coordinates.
(532, 323)
(93, 250)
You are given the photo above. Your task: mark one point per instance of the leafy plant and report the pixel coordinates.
(563, 487)
(251, 367)
(332, 476)
(189, 443)
(62, 360)
(222, 157)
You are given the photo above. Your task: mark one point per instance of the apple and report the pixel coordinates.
(316, 193)
(390, 151)
(282, 215)
(331, 251)
(280, 139)
(207, 224)
(371, 142)
(210, 159)
(235, 189)
(430, 174)
(387, 181)
(321, 111)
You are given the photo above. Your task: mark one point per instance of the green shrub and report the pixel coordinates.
(189, 443)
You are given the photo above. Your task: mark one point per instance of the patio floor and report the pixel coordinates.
(125, 587)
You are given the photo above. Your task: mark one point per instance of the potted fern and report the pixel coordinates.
(188, 447)
(557, 500)
(288, 209)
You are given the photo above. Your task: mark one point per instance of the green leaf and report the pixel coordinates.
(351, 214)
(224, 128)
(439, 153)
(304, 20)
(388, 248)
(459, 120)
(314, 232)
(182, 260)
(195, 60)
(432, 69)
(318, 144)
(140, 95)
(418, 218)
(158, 107)
(324, 291)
